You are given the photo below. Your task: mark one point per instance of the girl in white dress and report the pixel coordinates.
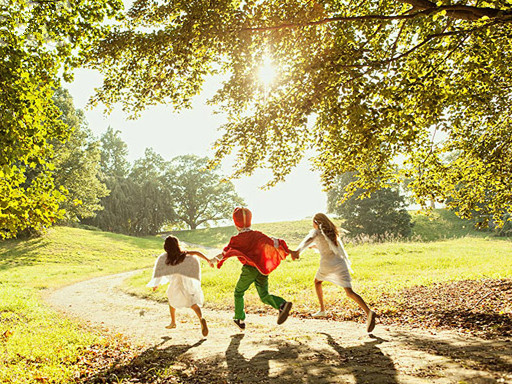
(334, 264)
(181, 269)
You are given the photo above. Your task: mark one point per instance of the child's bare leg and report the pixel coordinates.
(172, 310)
(204, 327)
(358, 299)
(197, 310)
(320, 294)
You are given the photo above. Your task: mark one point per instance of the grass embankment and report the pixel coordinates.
(38, 345)
(453, 251)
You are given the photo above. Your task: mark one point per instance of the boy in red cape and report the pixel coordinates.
(259, 255)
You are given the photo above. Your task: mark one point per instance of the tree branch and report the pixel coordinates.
(340, 18)
(422, 7)
(466, 12)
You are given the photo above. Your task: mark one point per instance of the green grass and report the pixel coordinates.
(438, 225)
(451, 250)
(378, 268)
(443, 224)
(39, 345)
(292, 231)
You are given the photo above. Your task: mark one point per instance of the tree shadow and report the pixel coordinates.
(492, 356)
(20, 253)
(146, 367)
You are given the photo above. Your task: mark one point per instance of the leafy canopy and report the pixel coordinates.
(362, 83)
(77, 163)
(38, 40)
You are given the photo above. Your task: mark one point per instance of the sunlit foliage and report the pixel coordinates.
(363, 84)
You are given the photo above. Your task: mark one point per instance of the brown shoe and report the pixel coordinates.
(240, 324)
(370, 322)
(204, 328)
(284, 310)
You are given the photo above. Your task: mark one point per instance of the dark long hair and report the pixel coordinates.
(327, 227)
(174, 254)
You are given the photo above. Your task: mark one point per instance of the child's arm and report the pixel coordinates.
(199, 254)
(295, 254)
(307, 242)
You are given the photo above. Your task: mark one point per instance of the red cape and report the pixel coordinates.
(256, 249)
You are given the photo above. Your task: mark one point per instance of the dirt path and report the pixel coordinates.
(299, 351)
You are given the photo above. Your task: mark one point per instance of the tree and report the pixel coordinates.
(140, 201)
(114, 153)
(380, 214)
(362, 83)
(154, 205)
(199, 195)
(38, 41)
(77, 163)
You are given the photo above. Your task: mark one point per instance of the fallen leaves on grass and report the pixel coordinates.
(479, 307)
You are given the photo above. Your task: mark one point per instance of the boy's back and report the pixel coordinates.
(256, 249)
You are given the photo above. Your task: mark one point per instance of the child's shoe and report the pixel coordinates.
(284, 310)
(171, 326)
(319, 314)
(204, 328)
(240, 323)
(370, 322)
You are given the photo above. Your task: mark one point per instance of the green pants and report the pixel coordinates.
(248, 276)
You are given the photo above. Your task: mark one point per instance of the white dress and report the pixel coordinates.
(184, 281)
(334, 262)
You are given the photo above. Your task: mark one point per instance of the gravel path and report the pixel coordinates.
(299, 351)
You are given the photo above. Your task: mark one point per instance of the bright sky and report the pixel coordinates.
(193, 132)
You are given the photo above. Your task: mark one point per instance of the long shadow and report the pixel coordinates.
(145, 367)
(257, 368)
(276, 360)
(301, 364)
(366, 362)
(492, 356)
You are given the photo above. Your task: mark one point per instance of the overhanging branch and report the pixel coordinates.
(419, 8)
(457, 11)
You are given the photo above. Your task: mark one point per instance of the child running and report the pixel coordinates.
(182, 270)
(260, 255)
(334, 264)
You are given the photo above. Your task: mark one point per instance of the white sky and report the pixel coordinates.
(193, 132)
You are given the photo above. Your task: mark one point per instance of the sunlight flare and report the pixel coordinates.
(267, 72)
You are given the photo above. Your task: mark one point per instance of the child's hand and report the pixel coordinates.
(295, 255)
(155, 288)
(211, 262)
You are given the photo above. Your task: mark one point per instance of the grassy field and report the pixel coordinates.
(451, 251)
(38, 345)
(439, 225)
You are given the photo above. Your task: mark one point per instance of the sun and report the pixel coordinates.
(267, 72)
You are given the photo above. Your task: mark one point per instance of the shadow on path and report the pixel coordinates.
(492, 356)
(278, 361)
(146, 367)
(366, 362)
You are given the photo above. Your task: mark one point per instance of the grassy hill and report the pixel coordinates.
(440, 224)
(451, 251)
(38, 345)
(443, 224)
